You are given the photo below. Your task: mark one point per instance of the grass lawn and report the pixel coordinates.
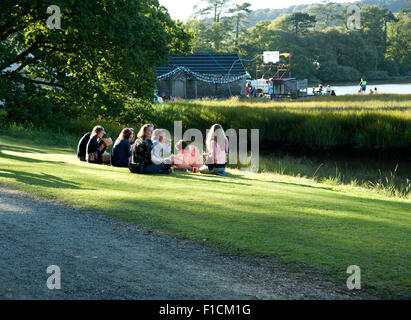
(303, 224)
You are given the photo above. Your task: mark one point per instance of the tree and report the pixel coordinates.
(105, 53)
(328, 14)
(240, 12)
(215, 7)
(374, 22)
(219, 28)
(399, 41)
(300, 22)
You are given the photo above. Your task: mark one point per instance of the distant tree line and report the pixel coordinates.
(379, 50)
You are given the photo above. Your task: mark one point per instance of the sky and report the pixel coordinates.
(182, 9)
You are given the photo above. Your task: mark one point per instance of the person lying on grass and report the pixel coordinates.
(97, 146)
(189, 157)
(141, 161)
(120, 156)
(217, 149)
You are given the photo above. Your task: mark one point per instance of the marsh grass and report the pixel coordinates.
(390, 178)
(326, 123)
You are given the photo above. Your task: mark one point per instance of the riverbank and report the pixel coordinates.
(391, 80)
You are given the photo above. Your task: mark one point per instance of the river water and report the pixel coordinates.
(404, 88)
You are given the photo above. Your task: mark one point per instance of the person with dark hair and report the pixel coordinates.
(120, 156)
(333, 93)
(189, 157)
(97, 146)
(82, 147)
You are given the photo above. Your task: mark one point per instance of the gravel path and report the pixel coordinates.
(101, 258)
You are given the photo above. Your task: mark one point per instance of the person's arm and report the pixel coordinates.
(166, 149)
(127, 149)
(101, 147)
(94, 145)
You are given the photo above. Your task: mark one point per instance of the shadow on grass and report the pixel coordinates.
(303, 185)
(307, 239)
(211, 178)
(21, 149)
(43, 180)
(23, 159)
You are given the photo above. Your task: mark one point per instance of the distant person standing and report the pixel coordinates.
(271, 89)
(375, 91)
(248, 89)
(333, 93)
(363, 85)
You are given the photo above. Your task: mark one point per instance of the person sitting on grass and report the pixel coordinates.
(189, 157)
(82, 147)
(141, 154)
(120, 156)
(160, 148)
(217, 149)
(97, 146)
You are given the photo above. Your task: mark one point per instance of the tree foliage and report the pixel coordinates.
(104, 55)
(381, 48)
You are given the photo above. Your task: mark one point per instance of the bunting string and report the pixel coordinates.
(201, 77)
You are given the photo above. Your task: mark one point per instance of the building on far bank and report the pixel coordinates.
(194, 76)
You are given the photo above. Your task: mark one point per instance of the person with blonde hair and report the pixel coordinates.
(145, 133)
(120, 156)
(217, 149)
(97, 146)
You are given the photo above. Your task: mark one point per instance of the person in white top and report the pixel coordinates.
(160, 149)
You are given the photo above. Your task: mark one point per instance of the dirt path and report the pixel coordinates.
(101, 258)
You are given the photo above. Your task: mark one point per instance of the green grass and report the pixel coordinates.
(295, 221)
(365, 123)
(391, 177)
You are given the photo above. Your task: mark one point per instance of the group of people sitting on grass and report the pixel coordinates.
(147, 154)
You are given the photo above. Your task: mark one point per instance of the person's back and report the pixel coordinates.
(82, 147)
(121, 153)
(141, 155)
(192, 156)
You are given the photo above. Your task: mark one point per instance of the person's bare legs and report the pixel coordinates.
(183, 165)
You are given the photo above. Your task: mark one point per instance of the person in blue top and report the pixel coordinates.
(271, 89)
(120, 156)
